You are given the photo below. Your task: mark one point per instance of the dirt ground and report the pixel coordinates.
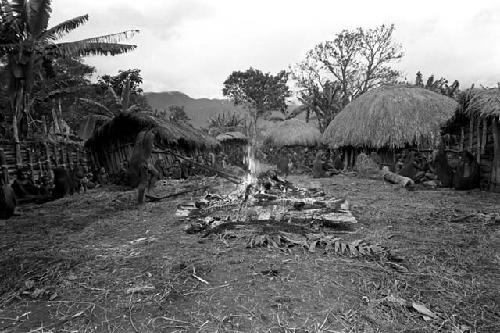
(97, 263)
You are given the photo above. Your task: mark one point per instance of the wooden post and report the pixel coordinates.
(47, 155)
(61, 151)
(346, 158)
(5, 168)
(353, 158)
(478, 133)
(462, 138)
(471, 133)
(69, 151)
(56, 155)
(44, 127)
(484, 138)
(30, 161)
(495, 176)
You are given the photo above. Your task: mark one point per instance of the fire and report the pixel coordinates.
(251, 176)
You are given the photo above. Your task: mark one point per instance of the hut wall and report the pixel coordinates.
(481, 143)
(113, 156)
(39, 157)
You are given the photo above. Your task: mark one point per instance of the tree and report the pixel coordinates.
(337, 71)
(226, 119)
(29, 47)
(178, 114)
(260, 93)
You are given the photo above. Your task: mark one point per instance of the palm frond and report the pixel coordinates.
(38, 12)
(63, 28)
(99, 105)
(83, 48)
(111, 38)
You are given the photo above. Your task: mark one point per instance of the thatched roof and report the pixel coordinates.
(276, 116)
(126, 126)
(480, 103)
(90, 124)
(232, 137)
(391, 116)
(293, 132)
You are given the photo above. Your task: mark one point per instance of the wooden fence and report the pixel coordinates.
(40, 157)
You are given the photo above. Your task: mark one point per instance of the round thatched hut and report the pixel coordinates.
(112, 143)
(296, 138)
(387, 119)
(475, 127)
(234, 146)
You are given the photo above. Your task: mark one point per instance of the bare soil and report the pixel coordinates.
(98, 263)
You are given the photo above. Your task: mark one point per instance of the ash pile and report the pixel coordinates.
(269, 211)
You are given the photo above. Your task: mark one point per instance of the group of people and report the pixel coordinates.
(464, 175)
(324, 164)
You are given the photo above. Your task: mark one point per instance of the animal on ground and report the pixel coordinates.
(8, 201)
(63, 183)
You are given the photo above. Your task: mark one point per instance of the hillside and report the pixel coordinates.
(198, 109)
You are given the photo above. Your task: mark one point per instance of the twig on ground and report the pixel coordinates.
(199, 278)
(130, 315)
(206, 290)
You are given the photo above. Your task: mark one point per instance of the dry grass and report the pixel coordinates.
(480, 103)
(293, 132)
(391, 117)
(90, 250)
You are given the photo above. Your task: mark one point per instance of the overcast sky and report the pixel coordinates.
(193, 45)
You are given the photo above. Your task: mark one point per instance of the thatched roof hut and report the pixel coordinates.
(126, 126)
(293, 132)
(476, 128)
(480, 103)
(232, 137)
(391, 117)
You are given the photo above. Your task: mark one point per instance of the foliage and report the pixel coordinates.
(118, 82)
(260, 93)
(29, 48)
(178, 114)
(337, 71)
(440, 86)
(226, 120)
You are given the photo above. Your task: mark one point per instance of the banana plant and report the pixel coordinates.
(27, 45)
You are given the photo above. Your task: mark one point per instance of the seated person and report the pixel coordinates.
(282, 164)
(318, 171)
(441, 168)
(102, 177)
(23, 186)
(467, 174)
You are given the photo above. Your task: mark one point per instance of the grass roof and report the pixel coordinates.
(125, 127)
(293, 132)
(391, 116)
(480, 103)
(232, 137)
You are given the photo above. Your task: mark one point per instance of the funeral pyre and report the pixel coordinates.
(270, 211)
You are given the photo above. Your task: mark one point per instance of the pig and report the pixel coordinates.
(8, 202)
(63, 183)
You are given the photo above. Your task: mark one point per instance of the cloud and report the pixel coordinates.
(193, 45)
